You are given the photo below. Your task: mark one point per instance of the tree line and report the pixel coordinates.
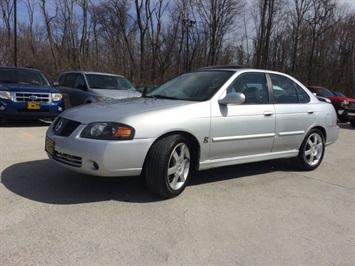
(150, 41)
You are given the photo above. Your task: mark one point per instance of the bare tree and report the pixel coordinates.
(218, 18)
(7, 18)
(47, 21)
(320, 20)
(267, 12)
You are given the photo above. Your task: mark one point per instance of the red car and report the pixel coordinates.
(344, 106)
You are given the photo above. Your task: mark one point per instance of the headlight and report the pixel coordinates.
(345, 103)
(105, 98)
(56, 97)
(5, 95)
(108, 131)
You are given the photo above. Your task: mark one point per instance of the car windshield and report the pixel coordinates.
(23, 76)
(339, 94)
(194, 86)
(325, 92)
(109, 82)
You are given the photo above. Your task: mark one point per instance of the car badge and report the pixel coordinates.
(58, 126)
(33, 97)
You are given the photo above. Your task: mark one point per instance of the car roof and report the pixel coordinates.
(24, 68)
(224, 67)
(92, 73)
(316, 87)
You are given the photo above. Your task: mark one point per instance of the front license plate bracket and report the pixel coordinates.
(33, 105)
(49, 146)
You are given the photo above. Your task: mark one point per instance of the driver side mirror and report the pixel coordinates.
(233, 98)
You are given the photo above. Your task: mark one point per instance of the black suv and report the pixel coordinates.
(27, 93)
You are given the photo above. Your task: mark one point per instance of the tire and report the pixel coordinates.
(311, 151)
(352, 123)
(168, 166)
(343, 119)
(2, 120)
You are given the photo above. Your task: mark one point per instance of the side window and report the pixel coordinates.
(253, 86)
(79, 82)
(303, 97)
(61, 80)
(69, 80)
(287, 91)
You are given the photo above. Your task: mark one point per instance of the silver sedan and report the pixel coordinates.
(212, 117)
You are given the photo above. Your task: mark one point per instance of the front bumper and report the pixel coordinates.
(97, 157)
(349, 113)
(22, 110)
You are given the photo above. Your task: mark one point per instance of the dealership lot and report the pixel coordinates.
(262, 213)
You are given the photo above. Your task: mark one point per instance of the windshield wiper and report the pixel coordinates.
(162, 97)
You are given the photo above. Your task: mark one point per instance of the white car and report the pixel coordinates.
(208, 118)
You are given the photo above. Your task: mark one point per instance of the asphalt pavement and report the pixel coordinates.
(264, 213)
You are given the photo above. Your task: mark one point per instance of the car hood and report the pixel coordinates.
(117, 94)
(24, 87)
(117, 109)
(341, 99)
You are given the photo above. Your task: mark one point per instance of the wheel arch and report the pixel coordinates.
(322, 130)
(195, 145)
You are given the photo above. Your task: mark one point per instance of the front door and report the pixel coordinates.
(245, 129)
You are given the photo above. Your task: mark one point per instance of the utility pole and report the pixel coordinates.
(188, 24)
(15, 33)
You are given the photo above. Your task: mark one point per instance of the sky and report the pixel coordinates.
(22, 14)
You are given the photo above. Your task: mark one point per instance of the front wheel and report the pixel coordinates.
(168, 166)
(311, 151)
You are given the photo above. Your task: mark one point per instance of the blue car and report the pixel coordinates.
(26, 93)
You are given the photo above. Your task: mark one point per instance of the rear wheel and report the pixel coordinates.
(352, 122)
(168, 166)
(311, 151)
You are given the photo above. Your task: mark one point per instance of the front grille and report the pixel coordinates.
(67, 159)
(32, 97)
(352, 105)
(64, 127)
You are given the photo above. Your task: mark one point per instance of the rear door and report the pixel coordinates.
(294, 113)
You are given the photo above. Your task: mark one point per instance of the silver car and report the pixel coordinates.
(208, 118)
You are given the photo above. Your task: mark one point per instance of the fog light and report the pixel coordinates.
(96, 166)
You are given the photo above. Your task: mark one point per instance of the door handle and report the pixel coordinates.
(310, 112)
(268, 113)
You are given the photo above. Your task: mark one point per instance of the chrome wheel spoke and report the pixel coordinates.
(314, 149)
(179, 165)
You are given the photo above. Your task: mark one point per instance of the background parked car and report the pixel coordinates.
(338, 93)
(343, 105)
(82, 87)
(27, 93)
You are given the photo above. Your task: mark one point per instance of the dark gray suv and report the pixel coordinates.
(82, 87)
